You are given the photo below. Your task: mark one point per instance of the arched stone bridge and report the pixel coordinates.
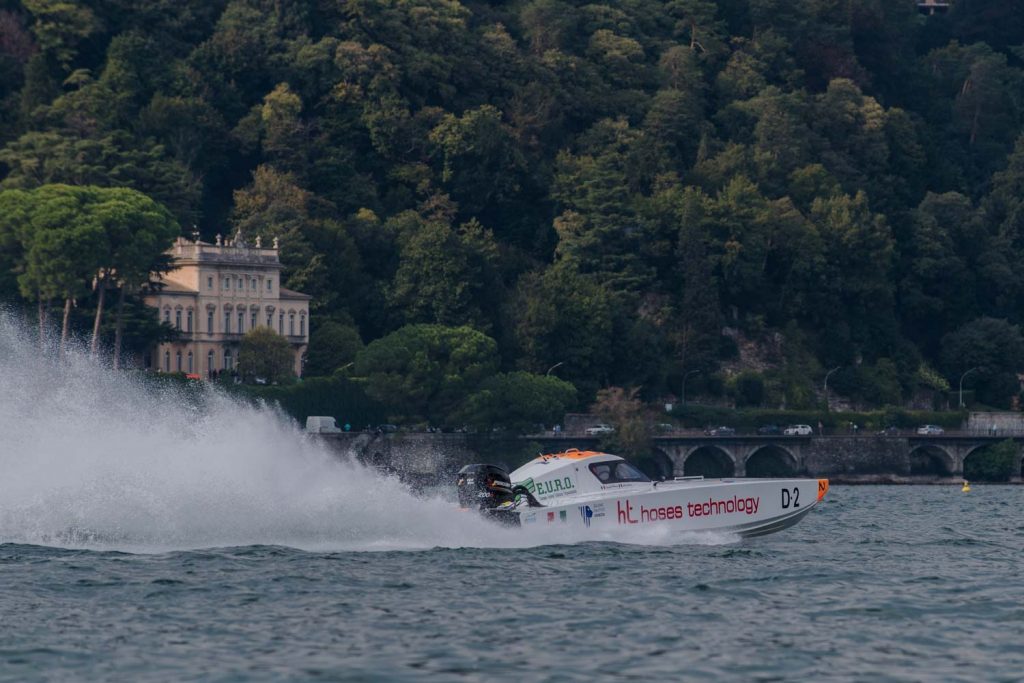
(837, 455)
(842, 457)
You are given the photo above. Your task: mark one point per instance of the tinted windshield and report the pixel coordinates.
(617, 472)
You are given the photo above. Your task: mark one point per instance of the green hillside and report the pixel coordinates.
(601, 187)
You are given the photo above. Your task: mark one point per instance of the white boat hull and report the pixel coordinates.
(745, 507)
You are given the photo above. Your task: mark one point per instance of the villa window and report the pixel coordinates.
(177, 360)
(167, 361)
(209, 282)
(190, 363)
(227, 359)
(270, 320)
(188, 321)
(252, 284)
(241, 322)
(270, 285)
(167, 316)
(177, 320)
(227, 283)
(291, 324)
(252, 320)
(280, 324)
(209, 322)
(211, 359)
(302, 326)
(227, 322)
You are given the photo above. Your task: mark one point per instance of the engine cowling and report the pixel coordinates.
(483, 487)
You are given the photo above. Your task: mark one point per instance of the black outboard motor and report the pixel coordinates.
(483, 487)
(487, 488)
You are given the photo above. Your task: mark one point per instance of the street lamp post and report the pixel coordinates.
(553, 367)
(961, 398)
(682, 393)
(827, 374)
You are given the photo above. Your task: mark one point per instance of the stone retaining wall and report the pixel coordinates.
(823, 457)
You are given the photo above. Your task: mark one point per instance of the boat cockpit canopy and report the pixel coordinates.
(617, 472)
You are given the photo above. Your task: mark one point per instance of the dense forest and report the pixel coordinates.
(632, 193)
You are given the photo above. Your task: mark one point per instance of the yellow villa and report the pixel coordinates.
(215, 294)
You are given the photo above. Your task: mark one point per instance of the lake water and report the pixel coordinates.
(154, 534)
(879, 583)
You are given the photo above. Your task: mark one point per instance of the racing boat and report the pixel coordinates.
(601, 491)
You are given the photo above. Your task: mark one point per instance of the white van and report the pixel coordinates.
(798, 430)
(321, 424)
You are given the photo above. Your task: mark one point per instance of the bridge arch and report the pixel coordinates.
(710, 461)
(974, 469)
(931, 459)
(658, 465)
(771, 461)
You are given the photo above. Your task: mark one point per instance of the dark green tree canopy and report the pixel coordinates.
(332, 346)
(265, 355)
(608, 187)
(427, 370)
(519, 401)
(994, 347)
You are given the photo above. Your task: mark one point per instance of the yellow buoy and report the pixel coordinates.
(966, 488)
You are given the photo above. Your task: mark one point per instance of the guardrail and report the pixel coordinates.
(861, 433)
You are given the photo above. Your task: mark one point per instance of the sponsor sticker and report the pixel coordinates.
(587, 513)
(628, 513)
(551, 516)
(726, 506)
(638, 513)
(563, 515)
(554, 486)
(551, 487)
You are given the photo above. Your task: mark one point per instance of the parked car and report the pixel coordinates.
(665, 427)
(768, 430)
(387, 428)
(720, 431)
(798, 430)
(889, 431)
(600, 430)
(930, 429)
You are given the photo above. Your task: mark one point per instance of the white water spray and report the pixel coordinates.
(94, 458)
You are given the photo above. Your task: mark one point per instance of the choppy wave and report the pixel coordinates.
(813, 603)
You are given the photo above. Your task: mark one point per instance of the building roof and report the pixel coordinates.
(291, 294)
(229, 253)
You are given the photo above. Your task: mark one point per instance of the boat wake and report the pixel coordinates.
(98, 459)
